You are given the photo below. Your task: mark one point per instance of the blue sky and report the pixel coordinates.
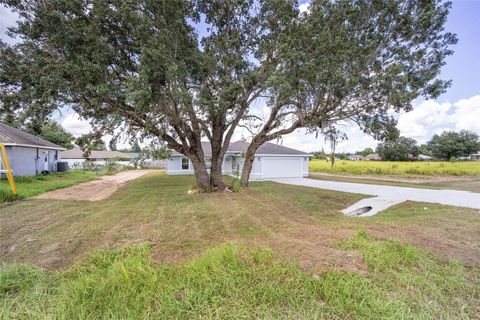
(464, 66)
(458, 108)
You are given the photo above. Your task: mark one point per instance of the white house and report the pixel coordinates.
(75, 157)
(28, 155)
(372, 157)
(355, 157)
(271, 161)
(423, 157)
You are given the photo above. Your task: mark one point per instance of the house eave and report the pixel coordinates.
(32, 146)
(256, 155)
(282, 155)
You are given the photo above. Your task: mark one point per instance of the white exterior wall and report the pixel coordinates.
(174, 166)
(284, 165)
(227, 164)
(257, 168)
(281, 166)
(30, 161)
(305, 166)
(74, 164)
(23, 161)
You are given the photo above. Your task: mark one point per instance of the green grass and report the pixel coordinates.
(234, 282)
(469, 168)
(33, 185)
(206, 256)
(6, 195)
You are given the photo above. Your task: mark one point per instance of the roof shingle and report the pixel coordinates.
(241, 146)
(11, 135)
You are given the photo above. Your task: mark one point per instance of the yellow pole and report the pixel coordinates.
(4, 159)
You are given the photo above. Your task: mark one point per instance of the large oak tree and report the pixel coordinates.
(180, 71)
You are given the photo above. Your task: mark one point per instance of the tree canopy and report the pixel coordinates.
(451, 144)
(140, 67)
(54, 132)
(401, 149)
(365, 152)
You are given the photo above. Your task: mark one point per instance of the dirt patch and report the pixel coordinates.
(315, 249)
(94, 190)
(440, 246)
(300, 224)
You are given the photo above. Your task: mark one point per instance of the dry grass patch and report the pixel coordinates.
(163, 253)
(297, 222)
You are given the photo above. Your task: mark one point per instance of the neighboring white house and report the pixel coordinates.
(75, 157)
(271, 161)
(475, 156)
(423, 157)
(28, 155)
(372, 157)
(355, 157)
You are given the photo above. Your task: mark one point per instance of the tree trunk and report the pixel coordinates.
(248, 162)
(246, 170)
(218, 152)
(216, 177)
(201, 173)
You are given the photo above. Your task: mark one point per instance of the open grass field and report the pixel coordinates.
(274, 251)
(464, 168)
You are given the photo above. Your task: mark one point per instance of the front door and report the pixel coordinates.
(45, 161)
(235, 166)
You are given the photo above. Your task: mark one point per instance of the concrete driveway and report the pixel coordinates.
(393, 194)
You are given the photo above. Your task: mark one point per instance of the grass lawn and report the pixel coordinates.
(31, 186)
(461, 168)
(273, 251)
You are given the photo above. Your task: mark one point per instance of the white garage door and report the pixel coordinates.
(282, 167)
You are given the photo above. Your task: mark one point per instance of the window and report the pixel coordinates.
(208, 162)
(185, 164)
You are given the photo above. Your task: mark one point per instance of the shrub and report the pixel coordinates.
(236, 185)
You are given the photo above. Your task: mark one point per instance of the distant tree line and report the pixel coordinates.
(449, 145)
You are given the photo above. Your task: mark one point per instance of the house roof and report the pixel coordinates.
(78, 154)
(13, 136)
(241, 146)
(133, 155)
(424, 156)
(372, 156)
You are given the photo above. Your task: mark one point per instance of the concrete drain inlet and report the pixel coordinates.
(370, 206)
(360, 211)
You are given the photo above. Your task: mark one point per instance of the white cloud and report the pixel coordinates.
(302, 140)
(467, 115)
(425, 120)
(7, 19)
(430, 117)
(304, 8)
(76, 126)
